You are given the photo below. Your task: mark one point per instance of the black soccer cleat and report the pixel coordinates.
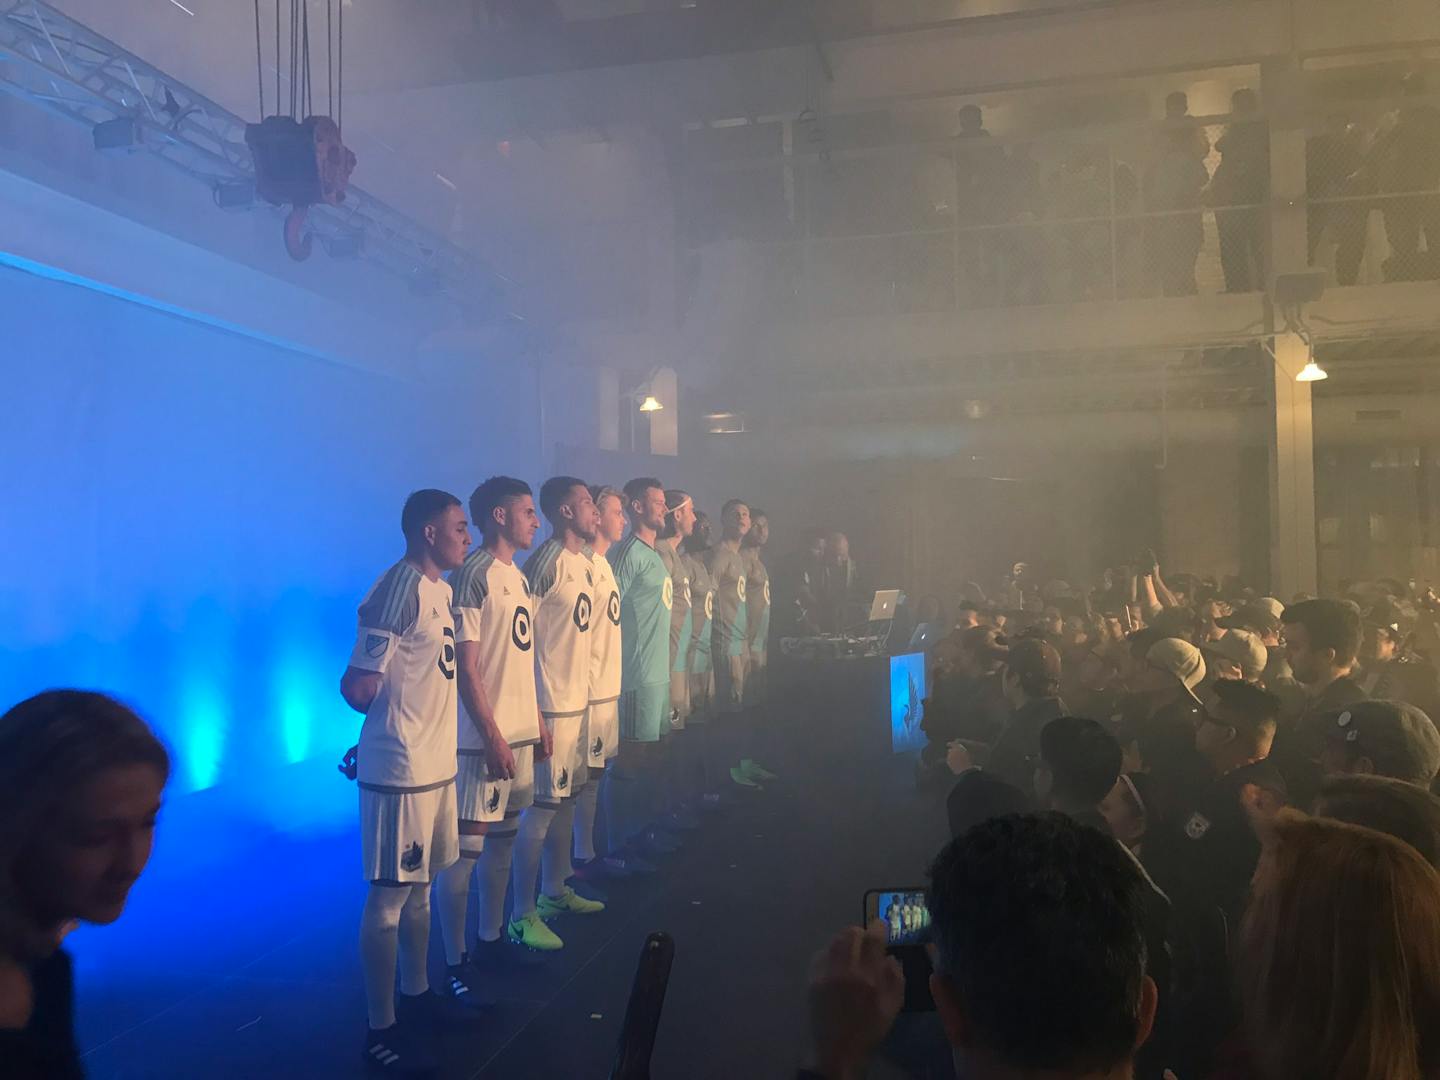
(396, 1051)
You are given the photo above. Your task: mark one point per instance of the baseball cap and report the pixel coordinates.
(1399, 738)
(1256, 617)
(1180, 659)
(1243, 648)
(1390, 616)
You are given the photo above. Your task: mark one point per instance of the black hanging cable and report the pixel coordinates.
(294, 58)
(259, 61)
(277, 57)
(340, 73)
(329, 58)
(308, 105)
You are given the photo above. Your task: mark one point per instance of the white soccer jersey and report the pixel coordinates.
(605, 655)
(492, 607)
(407, 742)
(562, 584)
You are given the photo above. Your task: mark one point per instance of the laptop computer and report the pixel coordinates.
(882, 608)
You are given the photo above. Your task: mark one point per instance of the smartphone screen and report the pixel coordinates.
(906, 917)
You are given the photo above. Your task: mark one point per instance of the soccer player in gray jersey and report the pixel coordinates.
(402, 677)
(678, 750)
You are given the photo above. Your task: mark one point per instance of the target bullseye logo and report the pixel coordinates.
(709, 605)
(740, 587)
(520, 629)
(667, 593)
(767, 590)
(447, 654)
(582, 612)
(612, 608)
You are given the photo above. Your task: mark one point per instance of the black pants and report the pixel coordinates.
(1242, 247)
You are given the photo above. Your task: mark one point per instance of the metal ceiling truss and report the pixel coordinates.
(51, 60)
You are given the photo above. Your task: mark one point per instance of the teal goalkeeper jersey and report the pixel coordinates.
(645, 600)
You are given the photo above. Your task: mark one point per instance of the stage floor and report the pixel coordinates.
(249, 969)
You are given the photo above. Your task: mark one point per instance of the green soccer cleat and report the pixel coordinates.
(531, 931)
(568, 902)
(754, 771)
(738, 775)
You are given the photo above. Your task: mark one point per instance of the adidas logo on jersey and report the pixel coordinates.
(413, 857)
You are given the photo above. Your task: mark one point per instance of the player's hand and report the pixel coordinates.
(547, 742)
(856, 991)
(499, 760)
(957, 756)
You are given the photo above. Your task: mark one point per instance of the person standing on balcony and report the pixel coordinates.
(1239, 190)
(1333, 160)
(1406, 160)
(980, 197)
(1174, 191)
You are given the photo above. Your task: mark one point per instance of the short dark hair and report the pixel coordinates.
(1257, 710)
(731, 504)
(555, 491)
(423, 507)
(694, 544)
(635, 490)
(1329, 624)
(1395, 807)
(485, 498)
(1039, 922)
(1083, 757)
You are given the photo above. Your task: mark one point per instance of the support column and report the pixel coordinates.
(1293, 561)
(1293, 556)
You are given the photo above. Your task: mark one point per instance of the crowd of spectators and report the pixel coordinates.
(1194, 835)
(1091, 221)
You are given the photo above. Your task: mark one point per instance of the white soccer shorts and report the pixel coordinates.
(481, 798)
(407, 837)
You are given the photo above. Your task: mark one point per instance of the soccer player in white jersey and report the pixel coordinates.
(562, 586)
(501, 733)
(602, 725)
(402, 677)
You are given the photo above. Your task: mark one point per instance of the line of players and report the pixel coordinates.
(573, 674)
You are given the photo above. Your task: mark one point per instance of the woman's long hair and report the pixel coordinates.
(1339, 967)
(50, 744)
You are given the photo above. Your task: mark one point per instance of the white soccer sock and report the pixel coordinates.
(555, 855)
(587, 801)
(414, 938)
(379, 938)
(494, 877)
(534, 825)
(452, 892)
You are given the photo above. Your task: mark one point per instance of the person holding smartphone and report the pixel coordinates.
(1040, 962)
